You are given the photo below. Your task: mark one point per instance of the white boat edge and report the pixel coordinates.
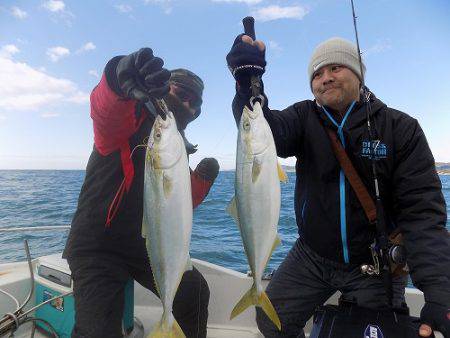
(226, 288)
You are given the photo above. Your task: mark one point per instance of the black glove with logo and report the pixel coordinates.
(208, 169)
(141, 76)
(245, 60)
(437, 317)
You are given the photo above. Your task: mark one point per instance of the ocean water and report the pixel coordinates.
(46, 197)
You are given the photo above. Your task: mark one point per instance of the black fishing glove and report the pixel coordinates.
(245, 60)
(437, 317)
(208, 169)
(141, 76)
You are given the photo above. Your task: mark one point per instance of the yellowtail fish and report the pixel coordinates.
(256, 205)
(167, 219)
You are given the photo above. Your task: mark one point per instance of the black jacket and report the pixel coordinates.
(329, 216)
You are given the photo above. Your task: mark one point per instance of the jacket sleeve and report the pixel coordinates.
(286, 125)
(200, 189)
(420, 212)
(113, 116)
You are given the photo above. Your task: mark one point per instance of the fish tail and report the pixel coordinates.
(164, 330)
(251, 298)
(247, 300)
(266, 305)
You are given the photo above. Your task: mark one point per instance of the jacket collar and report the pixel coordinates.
(358, 114)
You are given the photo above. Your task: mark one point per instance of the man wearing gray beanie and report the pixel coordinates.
(335, 234)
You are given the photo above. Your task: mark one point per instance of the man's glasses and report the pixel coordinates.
(186, 96)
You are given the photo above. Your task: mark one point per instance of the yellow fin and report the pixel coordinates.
(167, 186)
(268, 308)
(251, 298)
(281, 174)
(163, 331)
(276, 242)
(232, 209)
(247, 300)
(256, 170)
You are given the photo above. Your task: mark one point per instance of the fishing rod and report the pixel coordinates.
(380, 247)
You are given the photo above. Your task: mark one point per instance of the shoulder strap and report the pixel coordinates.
(352, 176)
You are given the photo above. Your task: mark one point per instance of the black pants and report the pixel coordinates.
(305, 280)
(99, 282)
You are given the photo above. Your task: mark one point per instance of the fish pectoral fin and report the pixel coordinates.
(232, 209)
(256, 170)
(281, 174)
(167, 185)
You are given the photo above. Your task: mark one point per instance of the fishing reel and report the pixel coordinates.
(396, 256)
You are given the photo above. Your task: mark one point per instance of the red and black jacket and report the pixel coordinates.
(108, 218)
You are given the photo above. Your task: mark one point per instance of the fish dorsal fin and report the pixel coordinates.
(281, 174)
(167, 185)
(256, 170)
(232, 209)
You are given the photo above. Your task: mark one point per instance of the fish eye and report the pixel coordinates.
(246, 125)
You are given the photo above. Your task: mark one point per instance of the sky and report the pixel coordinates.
(52, 54)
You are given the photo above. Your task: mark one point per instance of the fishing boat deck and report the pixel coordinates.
(226, 288)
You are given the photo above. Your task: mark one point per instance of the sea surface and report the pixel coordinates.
(31, 198)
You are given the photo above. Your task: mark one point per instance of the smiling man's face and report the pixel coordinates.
(335, 86)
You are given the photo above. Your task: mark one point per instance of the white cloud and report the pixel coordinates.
(379, 47)
(86, 47)
(58, 11)
(248, 2)
(54, 6)
(18, 13)
(274, 47)
(24, 88)
(275, 12)
(56, 53)
(2, 117)
(166, 5)
(79, 97)
(7, 51)
(47, 115)
(124, 8)
(93, 73)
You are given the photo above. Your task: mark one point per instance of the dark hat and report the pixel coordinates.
(188, 80)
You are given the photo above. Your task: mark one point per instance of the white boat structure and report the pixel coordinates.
(226, 286)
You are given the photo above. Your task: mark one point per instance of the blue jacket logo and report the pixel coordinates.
(374, 148)
(373, 331)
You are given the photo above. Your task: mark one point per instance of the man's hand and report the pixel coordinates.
(141, 76)
(434, 317)
(208, 169)
(246, 58)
